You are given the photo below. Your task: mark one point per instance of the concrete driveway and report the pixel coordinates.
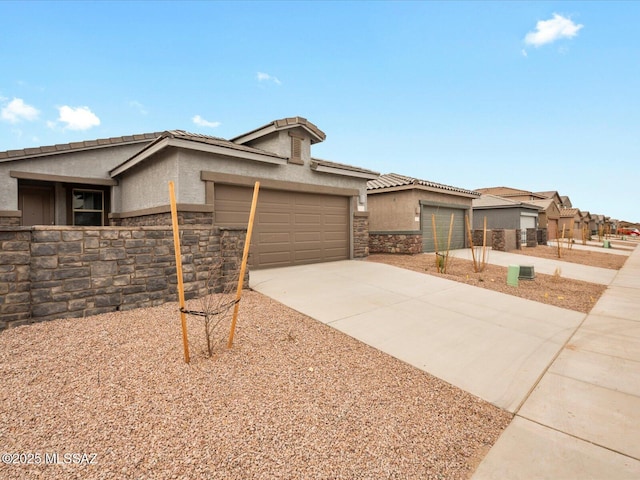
(493, 345)
(572, 380)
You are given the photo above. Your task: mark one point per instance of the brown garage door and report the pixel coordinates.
(290, 228)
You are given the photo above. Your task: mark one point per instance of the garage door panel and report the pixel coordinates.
(443, 222)
(290, 227)
(308, 219)
(273, 237)
(274, 218)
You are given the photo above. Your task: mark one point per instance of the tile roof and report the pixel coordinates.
(209, 140)
(488, 201)
(77, 146)
(390, 180)
(343, 166)
(569, 212)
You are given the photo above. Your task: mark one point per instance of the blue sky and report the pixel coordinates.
(531, 95)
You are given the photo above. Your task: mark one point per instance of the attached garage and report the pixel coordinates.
(401, 210)
(443, 225)
(290, 228)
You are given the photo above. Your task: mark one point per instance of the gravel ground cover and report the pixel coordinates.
(292, 399)
(550, 289)
(574, 255)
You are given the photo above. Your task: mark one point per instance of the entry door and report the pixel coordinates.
(37, 205)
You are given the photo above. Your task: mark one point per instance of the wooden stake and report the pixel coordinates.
(176, 247)
(446, 258)
(484, 243)
(473, 253)
(435, 238)
(245, 256)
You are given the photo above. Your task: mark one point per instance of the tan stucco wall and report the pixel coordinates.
(394, 211)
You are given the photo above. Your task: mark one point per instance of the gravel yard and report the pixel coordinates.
(553, 290)
(292, 399)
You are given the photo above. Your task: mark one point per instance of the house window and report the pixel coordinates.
(88, 207)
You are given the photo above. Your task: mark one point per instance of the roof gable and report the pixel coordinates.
(315, 133)
(196, 141)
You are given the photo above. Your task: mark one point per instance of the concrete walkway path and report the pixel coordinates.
(493, 345)
(602, 276)
(582, 420)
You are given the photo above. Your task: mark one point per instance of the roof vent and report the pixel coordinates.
(526, 272)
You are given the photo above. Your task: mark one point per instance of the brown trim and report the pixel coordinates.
(209, 193)
(11, 213)
(241, 180)
(360, 214)
(45, 177)
(181, 207)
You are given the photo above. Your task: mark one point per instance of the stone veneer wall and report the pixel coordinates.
(360, 235)
(184, 218)
(542, 236)
(67, 272)
(9, 221)
(498, 239)
(404, 243)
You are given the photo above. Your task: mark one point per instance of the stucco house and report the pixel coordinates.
(309, 209)
(401, 210)
(548, 216)
(570, 222)
(504, 213)
(512, 193)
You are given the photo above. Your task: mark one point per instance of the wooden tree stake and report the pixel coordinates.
(245, 256)
(176, 246)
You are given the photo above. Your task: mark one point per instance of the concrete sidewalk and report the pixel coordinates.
(493, 345)
(617, 248)
(602, 276)
(582, 420)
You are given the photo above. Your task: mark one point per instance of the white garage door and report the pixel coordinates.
(526, 222)
(290, 228)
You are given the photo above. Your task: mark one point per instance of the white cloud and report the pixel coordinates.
(198, 120)
(78, 118)
(548, 31)
(16, 111)
(138, 106)
(265, 77)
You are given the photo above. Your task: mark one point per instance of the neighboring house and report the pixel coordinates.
(512, 193)
(585, 224)
(401, 211)
(552, 195)
(566, 202)
(504, 213)
(309, 210)
(548, 216)
(570, 218)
